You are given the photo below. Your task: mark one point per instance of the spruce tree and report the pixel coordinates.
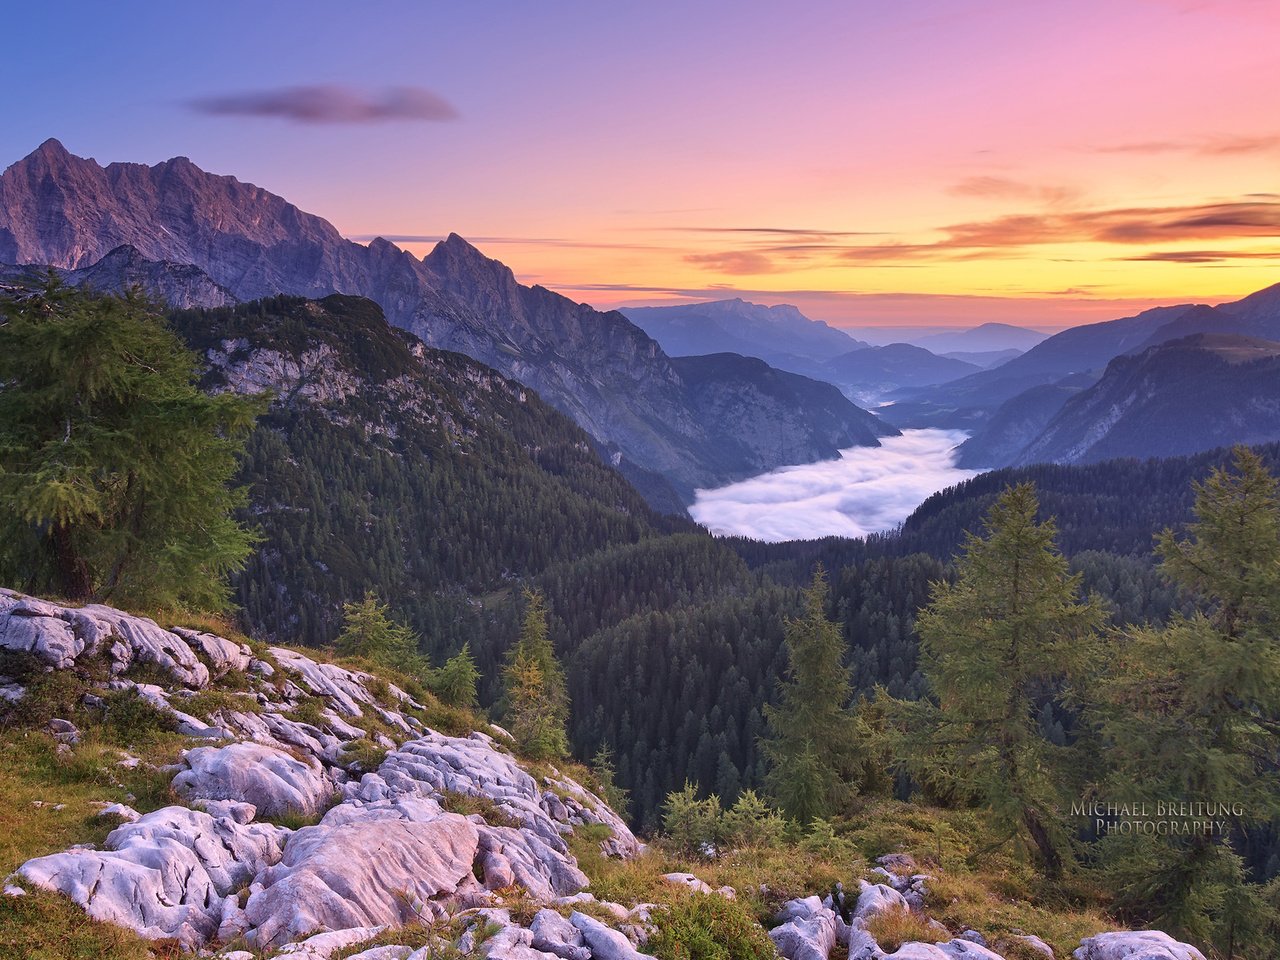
(1011, 634)
(115, 468)
(537, 698)
(812, 754)
(455, 682)
(1191, 713)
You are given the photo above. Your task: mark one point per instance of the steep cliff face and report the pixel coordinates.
(614, 380)
(762, 416)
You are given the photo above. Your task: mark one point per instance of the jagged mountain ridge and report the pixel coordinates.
(1175, 398)
(67, 212)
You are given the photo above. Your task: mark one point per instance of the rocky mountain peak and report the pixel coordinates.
(49, 151)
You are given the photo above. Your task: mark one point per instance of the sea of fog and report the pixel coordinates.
(868, 490)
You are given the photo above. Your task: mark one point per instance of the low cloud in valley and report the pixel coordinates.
(868, 489)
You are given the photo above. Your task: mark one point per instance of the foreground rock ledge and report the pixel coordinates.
(384, 851)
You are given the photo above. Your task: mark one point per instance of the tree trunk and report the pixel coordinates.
(1049, 857)
(74, 582)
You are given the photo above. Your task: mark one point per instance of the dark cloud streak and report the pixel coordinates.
(330, 105)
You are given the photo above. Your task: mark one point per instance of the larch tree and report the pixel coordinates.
(115, 468)
(810, 743)
(455, 682)
(1190, 713)
(536, 695)
(1011, 634)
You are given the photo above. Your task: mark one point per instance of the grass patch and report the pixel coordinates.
(206, 703)
(296, 819)
(310, 710)
(48, 926)
(701, 927)
(33, 772)
(467, 804)
(893, 928)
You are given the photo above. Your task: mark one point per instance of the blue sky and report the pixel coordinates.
(625, 153)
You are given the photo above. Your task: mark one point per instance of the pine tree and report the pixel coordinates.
(1011, 634)
(368, 631)
(537, 698)
(114, 467)
(1191, 712)
(812, 756)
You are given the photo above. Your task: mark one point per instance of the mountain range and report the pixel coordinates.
(1177, 397)
(779, 335)
(670, 431)
(1059, 382)
(785, 338)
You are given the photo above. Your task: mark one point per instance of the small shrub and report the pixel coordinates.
(133, 719)
(708, 927)
(691, 825)
(821, 839)
(363, 755)
(147, 671)
(53, 694)
(751, 822)
(893, 928)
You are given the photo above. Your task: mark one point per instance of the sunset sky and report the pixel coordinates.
(916, 162)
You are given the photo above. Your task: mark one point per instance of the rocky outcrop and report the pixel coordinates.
(364, 865)
(170, 873)
(58, 635)
(385, 853)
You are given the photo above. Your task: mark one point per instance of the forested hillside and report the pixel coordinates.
(429, 480)
(384, 465)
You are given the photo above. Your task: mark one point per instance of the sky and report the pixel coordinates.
(917, 163)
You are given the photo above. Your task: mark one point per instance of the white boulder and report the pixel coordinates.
(876, 898)
(270, 779)
(380, 864)
(1135, 945)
